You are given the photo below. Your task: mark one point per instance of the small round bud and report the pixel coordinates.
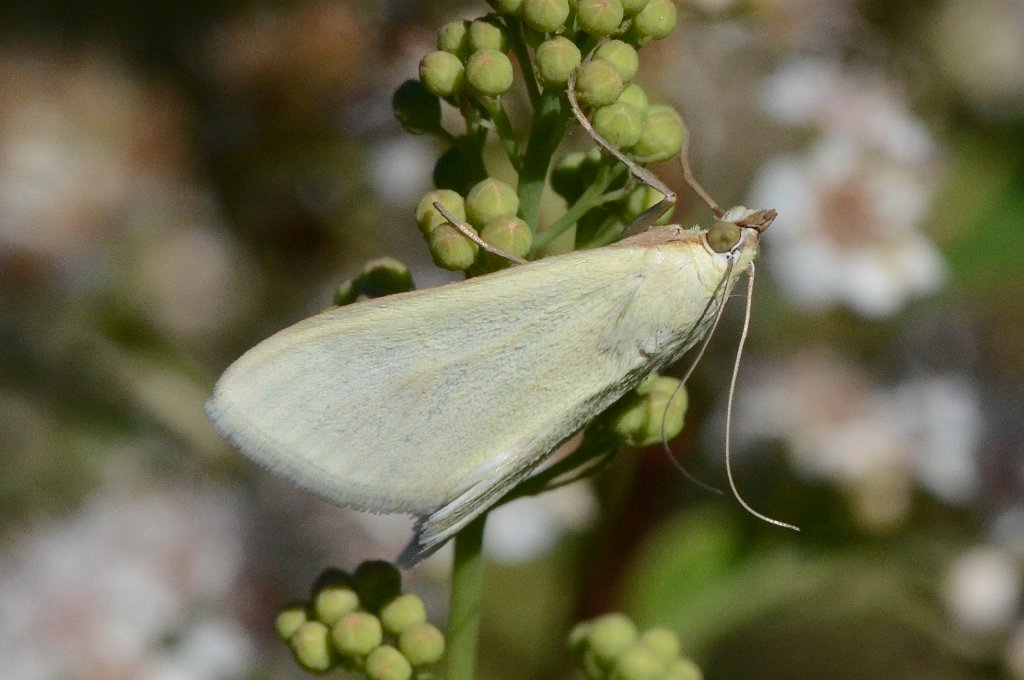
(723, 236)
(635, 96)
(458, 169)
(622, 56)
(289, 621)
(556, 59)
(662, 136)
(598, 83)
(509, 8)
(632, 7)
(356, 634)
(654, 22)
(454, 37)
(490, 199)
(610, 635)
(579, 638)
(387, 663)
(487, 34)
(509, 233)
(334, 601)
(642, 198)
(442, 73)
(377, 582)
(618, 123)
(385, 276)
(683, 669)
(310, 647)
(639, 662)
(599, 17)
(653, 412)
(405, 610)
(331, 576)
(451, 249)
(546, 16)
(489, 72)
(422, 644)
(663, 641)
(418, 111)
(427, 216)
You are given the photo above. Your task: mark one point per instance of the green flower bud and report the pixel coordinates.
(385, 276)
(639, 662)
(621, 55)
(332, 602)
(511, 234)
(546, 16)
(427, 217)
(418, 111)
(610, 636)
(632, 7)
(422, 644)
(683, 669)
(663, 641)
(458, 169)
(556, 59)
(331, 576)
(635, 96)
(653, 411)
(662, 136)
(489, 72)
(598, 83)
(488, 34)
(490, 199)
(642, 198)
(405, 610)
(377, 581)
(509, 8)
(289, 621)
(618, 123)
(654, 22)
(454, 37)
(579, 638)
(442, 73)
(599, 17)
(451, 249)
(356, 634)
(309, 645)
(387, 663)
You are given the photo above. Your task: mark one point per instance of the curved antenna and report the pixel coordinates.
(728, 411)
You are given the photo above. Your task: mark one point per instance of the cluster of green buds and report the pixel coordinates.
(611, 647)
(362, 623)
(654, 412)
(550, 46)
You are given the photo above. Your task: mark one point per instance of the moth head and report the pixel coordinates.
(726, 235)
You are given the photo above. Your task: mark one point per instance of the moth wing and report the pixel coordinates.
(437, 401)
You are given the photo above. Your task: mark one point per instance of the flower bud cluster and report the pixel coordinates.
(611, 647)
(362, 623)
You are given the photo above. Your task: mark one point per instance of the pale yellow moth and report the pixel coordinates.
(437, 402)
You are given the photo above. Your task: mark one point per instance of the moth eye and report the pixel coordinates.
(723, 236)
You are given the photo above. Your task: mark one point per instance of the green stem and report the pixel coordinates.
(503, 128)
(591, 197)
(464, 607)
(546, 130)
(515, 32)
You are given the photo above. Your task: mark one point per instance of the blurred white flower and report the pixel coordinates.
(982, 589)
(875, 442)
(530, 527)
(133, 586)
(851, 206)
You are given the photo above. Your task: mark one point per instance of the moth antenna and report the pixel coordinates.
(468, 233)
(728, 410)
(640, 173)
(684, 161)
(686, 376)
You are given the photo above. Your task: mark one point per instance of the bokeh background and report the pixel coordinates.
(180, 179)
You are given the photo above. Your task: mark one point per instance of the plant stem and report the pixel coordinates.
(464, 607)
(546, 130)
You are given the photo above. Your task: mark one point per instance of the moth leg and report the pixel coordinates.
(468, 233)
(642, 174)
